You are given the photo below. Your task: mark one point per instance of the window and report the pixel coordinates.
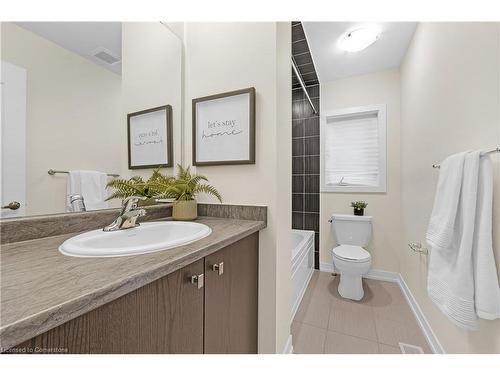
(353, 150)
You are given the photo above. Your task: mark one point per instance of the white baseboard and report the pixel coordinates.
(396, 277)
(372, 274)
(424, 325)
(392, 277)
(326, 267)
(302, 292)
(288, 349)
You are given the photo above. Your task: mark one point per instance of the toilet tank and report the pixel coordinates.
(352, 230)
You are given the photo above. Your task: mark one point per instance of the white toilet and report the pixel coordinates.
(349, 257)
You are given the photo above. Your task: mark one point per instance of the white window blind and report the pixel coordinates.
(352, 150)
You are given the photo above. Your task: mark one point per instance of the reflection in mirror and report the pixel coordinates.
(67, 88)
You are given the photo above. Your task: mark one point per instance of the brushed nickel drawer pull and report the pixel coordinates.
(219, 268)
(198, 280)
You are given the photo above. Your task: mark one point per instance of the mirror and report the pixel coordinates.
(67, 88)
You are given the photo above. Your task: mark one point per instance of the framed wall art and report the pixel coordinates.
(150, 138)
(224, 128)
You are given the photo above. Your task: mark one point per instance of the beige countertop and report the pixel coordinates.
(41, 288)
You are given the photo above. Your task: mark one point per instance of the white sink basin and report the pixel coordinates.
(146, 238)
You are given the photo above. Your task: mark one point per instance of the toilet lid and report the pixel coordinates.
(351, 253)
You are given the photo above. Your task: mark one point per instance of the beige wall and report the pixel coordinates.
(152, 77)
(450, 102)
(215, 63)
(376, 88)
(283, 183)
(73, 115)
(77, 110)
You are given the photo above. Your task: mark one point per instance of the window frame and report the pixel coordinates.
(380, 111)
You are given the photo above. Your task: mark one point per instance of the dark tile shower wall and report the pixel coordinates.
(305, 141)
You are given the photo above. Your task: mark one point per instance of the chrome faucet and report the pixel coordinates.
(128, 215)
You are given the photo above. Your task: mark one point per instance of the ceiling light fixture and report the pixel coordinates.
(359, 39)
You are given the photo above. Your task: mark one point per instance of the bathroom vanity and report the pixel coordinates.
(200, 297)
(197, 298)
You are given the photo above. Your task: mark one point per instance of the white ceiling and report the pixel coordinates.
(82, 38)
(332, 63)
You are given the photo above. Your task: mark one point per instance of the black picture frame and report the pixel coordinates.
(251, 132)
(169, 132)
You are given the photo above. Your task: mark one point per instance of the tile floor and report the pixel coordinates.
(327, 323)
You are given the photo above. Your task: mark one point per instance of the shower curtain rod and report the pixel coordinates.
(482, 154)
(299, 77)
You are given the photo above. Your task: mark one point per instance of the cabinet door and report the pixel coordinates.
(165, 316)
(231, 298)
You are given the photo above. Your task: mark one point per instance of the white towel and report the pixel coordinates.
(444, 213)
(91, 185)
(450, 281)
(486, 288)
(462, 278)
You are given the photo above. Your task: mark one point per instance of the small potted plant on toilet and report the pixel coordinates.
(359, 207)
(183, 189)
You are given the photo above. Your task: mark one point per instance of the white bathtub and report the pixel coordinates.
(302, 265)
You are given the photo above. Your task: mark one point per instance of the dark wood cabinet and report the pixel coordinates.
(165, 316)
(174, 314)
(231, 292)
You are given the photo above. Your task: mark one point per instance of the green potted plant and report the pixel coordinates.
(183, 189)
(135, 186)
(359, 207)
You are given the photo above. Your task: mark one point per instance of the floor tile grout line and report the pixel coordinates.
(351, 335)
(327, 321)
(374, 321)
(369, 304)
(358, 337)
(330, 306)
(313, 326)
(324, 341)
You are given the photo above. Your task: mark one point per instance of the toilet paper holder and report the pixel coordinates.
(418, 248)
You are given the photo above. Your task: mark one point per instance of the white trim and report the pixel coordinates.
(392, 277)
(326, 267)
(288, 349)
(302, 292)
(381, 111)
(396, 277)
(373, 274)
(424, 325)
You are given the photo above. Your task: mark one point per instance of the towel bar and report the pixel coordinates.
(53, 172)
(482, 154)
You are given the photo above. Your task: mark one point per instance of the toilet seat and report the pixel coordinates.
(349, 253)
